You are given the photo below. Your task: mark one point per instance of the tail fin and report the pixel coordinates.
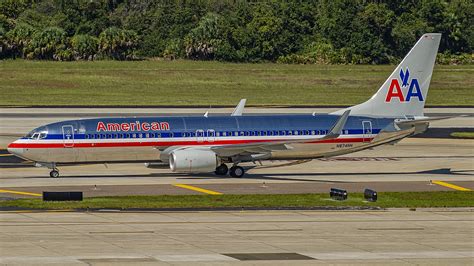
(404, 92)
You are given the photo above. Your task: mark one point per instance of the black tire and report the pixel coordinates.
(54, 174)
(222, 170)
(237, 171)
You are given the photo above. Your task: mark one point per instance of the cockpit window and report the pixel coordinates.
(37, 135)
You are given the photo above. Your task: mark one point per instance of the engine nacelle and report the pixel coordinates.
(193, 161)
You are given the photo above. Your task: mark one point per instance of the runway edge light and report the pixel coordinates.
(338, 194)
(370, 195)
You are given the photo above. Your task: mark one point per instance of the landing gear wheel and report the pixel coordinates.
(222, 170)
(237, 171)
(54, 173)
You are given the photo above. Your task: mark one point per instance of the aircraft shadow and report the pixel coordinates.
(279, 177)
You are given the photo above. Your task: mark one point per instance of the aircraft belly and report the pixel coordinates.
(109, 154)
(39, 155)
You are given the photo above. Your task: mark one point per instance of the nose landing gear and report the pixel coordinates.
(54, 173)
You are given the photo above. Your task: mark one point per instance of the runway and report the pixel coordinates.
(424, 236)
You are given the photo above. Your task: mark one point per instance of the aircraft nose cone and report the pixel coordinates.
(13, 149)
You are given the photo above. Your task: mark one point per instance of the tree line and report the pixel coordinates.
(300, 31)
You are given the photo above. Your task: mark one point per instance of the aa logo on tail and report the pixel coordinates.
(395, 89)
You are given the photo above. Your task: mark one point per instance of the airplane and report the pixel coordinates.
(209, 143)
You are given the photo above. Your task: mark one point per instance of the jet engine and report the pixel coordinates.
(193, 161)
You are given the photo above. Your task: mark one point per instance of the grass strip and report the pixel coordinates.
(191, 83)
(386, 200)
(463, 135)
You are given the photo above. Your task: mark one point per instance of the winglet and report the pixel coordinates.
(239, 109)
(336, 130)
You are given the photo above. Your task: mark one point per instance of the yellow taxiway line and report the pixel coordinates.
(20, 193)
(202, 190)
(444, 184)
(1, 155)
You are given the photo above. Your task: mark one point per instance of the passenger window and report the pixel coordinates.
(296, 132)
(313, 132)
(134, 135)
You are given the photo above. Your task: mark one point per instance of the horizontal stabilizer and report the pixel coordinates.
(420, 120)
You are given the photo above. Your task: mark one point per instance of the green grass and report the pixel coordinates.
(386, 200)
(210, 83)
(463, 135)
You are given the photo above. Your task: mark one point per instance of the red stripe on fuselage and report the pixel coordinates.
(167, 143)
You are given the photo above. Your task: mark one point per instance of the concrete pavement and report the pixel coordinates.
(436, 236)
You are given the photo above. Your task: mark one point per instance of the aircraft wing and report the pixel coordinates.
(239, 109)
(274, 145)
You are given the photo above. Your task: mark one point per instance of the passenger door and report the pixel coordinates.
(366, 130)
(68, 136)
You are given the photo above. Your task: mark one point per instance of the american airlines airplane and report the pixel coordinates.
(200, 144)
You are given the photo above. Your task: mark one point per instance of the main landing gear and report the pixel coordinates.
(222, 169)
(234, 171)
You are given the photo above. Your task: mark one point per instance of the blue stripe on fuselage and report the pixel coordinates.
(180, 125)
